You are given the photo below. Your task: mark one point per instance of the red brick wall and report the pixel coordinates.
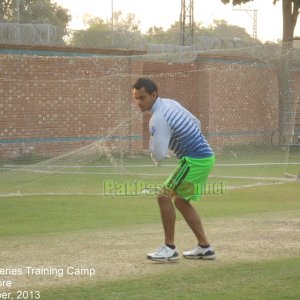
(64, 97)
(243, 102)
(236, 101)
(76, 97)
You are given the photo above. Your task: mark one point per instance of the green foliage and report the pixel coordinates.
(128, 23)
(94, 36)
(290, 14)
(236, 2)
(220, 29)
(6, 10)
(156, 35)
(99, 33)
(34, 11)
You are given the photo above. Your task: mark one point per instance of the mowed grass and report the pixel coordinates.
(27, 216)
(277, 279)
(63, 177)
(91, 180)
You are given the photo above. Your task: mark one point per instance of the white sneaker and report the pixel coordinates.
(164, 253)
(200, 253)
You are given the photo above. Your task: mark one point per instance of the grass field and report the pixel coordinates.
(256, 233)
(63, 177)
(255, 230)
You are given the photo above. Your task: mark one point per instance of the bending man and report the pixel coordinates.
(174, 127)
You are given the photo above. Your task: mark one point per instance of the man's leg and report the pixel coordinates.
(168, 217)
(192, 218)
(167, 252)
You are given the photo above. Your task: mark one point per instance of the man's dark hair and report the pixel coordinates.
(146, 83)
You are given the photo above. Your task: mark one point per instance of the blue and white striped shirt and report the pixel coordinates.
(174, 127)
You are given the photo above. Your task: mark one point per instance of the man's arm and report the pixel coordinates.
(160, 132)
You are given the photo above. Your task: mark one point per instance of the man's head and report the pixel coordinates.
(145, 93)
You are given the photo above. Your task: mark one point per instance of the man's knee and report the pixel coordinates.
(165, 195)
(180, 202)
(162, 198)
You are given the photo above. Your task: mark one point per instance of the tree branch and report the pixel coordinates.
(5, 7)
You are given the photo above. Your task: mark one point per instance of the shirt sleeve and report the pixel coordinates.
(160, 132)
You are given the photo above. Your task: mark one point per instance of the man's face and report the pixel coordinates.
(143, 99)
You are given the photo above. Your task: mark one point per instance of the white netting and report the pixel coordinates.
(69, 123)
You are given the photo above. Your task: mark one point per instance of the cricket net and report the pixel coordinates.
(69, 124)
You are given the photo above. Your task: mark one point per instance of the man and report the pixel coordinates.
(175, 128)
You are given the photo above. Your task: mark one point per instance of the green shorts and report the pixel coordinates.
(189, 178)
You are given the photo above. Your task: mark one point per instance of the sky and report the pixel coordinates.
(163, 13)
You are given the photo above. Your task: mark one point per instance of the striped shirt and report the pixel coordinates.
(174, 127)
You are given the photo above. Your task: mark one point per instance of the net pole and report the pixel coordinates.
(18, 21)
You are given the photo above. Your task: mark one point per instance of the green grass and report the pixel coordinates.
(46, 214)
(88, 181)
(88, 178)
(277, 279)
(34, 218)
(241, 202)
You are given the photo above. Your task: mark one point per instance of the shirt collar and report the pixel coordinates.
(155, 105)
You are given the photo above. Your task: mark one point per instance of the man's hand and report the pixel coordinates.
(157, 163)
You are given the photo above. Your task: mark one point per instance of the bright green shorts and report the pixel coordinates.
(189, 178)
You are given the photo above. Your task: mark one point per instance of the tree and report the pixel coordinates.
(6, 10)
(40, 22)
(99, 33)
(290, 12)
(34, 11)
(157, 35)
(129, 23)
(95, 36)
(220, 29)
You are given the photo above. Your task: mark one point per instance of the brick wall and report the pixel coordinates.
(50, 105)
(243, 102)
(235, 99)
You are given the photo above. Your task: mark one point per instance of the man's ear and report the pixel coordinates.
(154, 95)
